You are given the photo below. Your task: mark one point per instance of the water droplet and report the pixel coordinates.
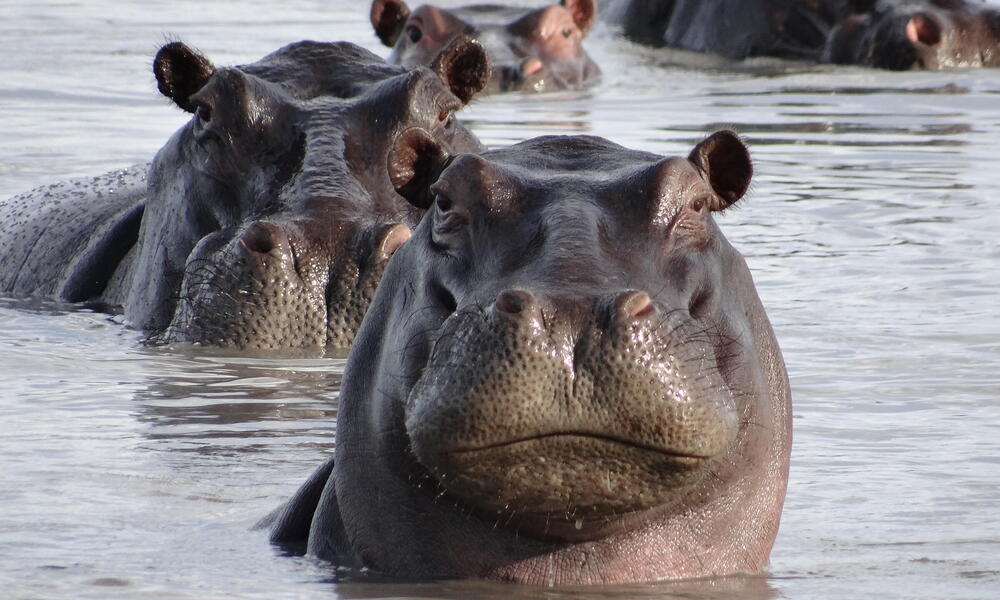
(579, 524)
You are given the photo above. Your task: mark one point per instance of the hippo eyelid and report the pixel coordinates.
(699, 203)
(203, 111)
(442, 201)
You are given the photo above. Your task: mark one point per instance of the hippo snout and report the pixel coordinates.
(559, 414)
(287, 282)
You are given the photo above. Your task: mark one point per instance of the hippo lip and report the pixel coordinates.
(685, 457)
(583, 516)
(566, 485)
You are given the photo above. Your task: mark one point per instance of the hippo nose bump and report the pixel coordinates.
(514, 302)
(520, 308)
(632, 305)
(392, 239)
(260, 237)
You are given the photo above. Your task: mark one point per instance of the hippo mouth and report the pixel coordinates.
(597, 437)
(568, 486)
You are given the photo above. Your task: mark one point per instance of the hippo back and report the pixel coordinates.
(66, 239)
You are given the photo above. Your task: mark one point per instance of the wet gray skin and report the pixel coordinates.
(265, 221)
(566, 377)
(889, 34)
(531, 49)
(736, 29)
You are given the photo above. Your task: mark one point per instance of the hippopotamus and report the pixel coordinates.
(530, 49)
(735, 29)
(919, 34)
(267, 219)
(566, 377)
(891, 34)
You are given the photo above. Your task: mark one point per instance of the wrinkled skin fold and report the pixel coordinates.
(267, 220)
(566, 377)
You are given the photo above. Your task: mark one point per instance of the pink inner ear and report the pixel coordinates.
(923, 29)
(584, 12)
(388, 17)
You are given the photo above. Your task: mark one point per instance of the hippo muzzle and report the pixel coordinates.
(564, 426)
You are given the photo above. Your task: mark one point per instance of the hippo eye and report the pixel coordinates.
(567, 32)
(204, 113)
(699, 203)
(448, 224)
(414, 33)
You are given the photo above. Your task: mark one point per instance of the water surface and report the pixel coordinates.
(871, 229)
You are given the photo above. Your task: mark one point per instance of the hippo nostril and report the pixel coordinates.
(634, 305)
(259, 238)
(393, 239)
(513, 302)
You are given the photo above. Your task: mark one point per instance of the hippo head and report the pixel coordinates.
(938, 34)
(531, 49)
(565, 377)
(270, 214)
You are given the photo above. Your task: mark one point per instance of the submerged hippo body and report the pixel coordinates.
(924, 34)
(530, 49)
(736, 29)
(267, 219)
(891, 34)
(566, 377)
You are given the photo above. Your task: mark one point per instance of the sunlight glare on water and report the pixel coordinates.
(871, 230)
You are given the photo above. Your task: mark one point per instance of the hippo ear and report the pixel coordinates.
(388, 18)
(725, 161)
(464, 66)
(584, 12)
(923, 28)
(415, 162)
(180, 73)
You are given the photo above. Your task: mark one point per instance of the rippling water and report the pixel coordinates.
(872, 231)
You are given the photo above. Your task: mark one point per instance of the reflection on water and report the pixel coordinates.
(871, 230)
(223, 400)
(744, 587)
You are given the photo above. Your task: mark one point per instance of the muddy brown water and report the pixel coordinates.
(871, 229)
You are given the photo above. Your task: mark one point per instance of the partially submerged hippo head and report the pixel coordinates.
(270, 215)
(565, 377)
(531, 49)
(927, 34)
